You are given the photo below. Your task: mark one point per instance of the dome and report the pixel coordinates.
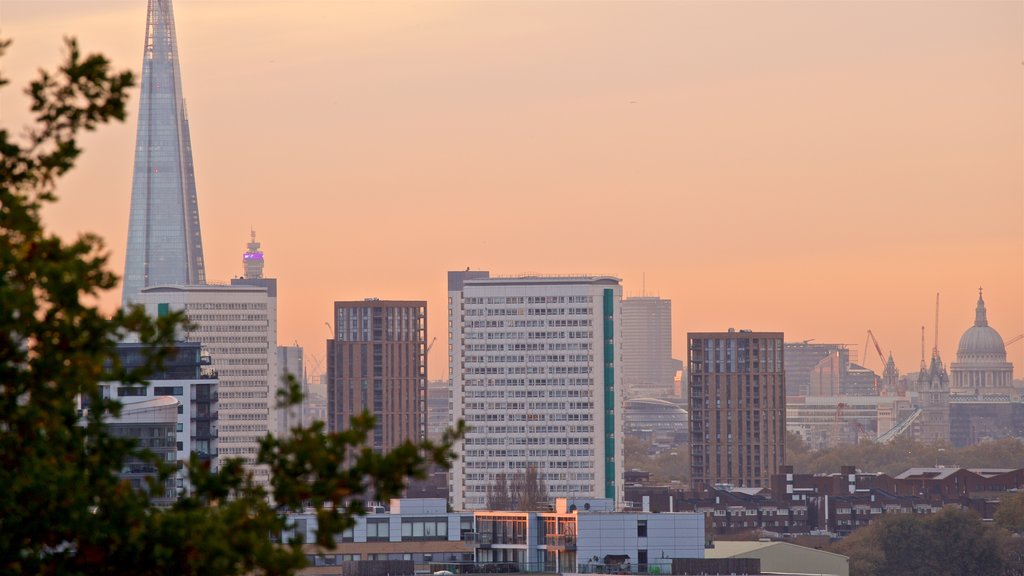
(981, 339)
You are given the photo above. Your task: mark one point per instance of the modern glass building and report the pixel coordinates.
(164, 241)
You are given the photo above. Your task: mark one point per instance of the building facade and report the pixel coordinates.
(981, 367)
(577, 536)
(290, 363)
(648, 370)
(165, 245)
(237, 326)
(186, 376)
(377, 362)
(737, 407)
(151, 422)
(535, 367)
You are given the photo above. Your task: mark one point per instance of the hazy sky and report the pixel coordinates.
(819, 168)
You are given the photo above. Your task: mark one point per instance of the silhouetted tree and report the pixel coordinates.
(63, 508)
(528, 490)
(499, 496)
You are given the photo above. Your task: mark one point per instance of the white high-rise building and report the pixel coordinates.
(648, 369)
(237, 326)
(535, 367)
(290, 363)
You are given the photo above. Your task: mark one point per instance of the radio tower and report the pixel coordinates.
(252, 260)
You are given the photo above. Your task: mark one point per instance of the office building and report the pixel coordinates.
(188, 377)
(237, 326)
(737, 407)
(648, 370)
(534, 364)
(165, 245)
(377, 362)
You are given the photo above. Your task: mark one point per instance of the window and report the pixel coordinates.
(131, 391)
(641, 528)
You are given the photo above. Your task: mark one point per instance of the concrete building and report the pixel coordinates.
(165, 245)
(534, 364)
(237, 326)
(801, 359)
(981, 367)
(579, 535)
(187, 377)
(291, 363)
(737, 407)
(377, 362)
(648, 370)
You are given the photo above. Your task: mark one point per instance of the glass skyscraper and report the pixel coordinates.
(165, 245)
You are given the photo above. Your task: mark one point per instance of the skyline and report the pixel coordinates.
(543, 126)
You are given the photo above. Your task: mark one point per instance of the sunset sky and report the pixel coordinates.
(819, 168)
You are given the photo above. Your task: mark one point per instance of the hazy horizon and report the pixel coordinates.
(814, 168)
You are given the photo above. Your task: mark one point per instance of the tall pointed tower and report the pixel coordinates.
(165, 245)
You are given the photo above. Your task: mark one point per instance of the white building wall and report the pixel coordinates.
(673, 535)
(237, 325)
(528, 375)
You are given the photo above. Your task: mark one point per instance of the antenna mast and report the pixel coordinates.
(935, 350)
(922, 349)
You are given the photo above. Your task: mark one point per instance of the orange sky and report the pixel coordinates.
(816, 168)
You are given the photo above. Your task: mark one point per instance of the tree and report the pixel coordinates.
(499, 496)
(63, 509)
(1010, 514)
(950, 542)
(528, 489)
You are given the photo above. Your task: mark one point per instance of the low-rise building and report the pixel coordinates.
(578, 535)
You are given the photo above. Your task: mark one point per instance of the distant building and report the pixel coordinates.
(252, 259)
(535, 367)
(439, 414)
(290, 362)
(377, 362)
(737, 407)
(165, 245)
(801, 359)
(981, 367)
(186, 376)
(648, 370)
(661, 422)
(933, 399)
(237, 326)
(976, 419)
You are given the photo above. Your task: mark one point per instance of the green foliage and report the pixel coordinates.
(665, 467)
(900, 454)
(63, 509)
(1010, 514)
(950, 542)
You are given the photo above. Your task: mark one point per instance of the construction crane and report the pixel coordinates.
(871, 338)
(431, 345)
(1016, 338)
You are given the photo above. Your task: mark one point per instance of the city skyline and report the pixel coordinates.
(910, 136)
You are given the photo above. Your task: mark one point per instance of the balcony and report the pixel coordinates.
(481, 539)
(560, 541)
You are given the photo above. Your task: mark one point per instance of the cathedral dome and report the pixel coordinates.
(981, 340)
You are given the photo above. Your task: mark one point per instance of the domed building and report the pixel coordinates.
(981, 368)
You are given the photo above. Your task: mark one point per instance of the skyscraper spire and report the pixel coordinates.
(252, 259)
(165, 245)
